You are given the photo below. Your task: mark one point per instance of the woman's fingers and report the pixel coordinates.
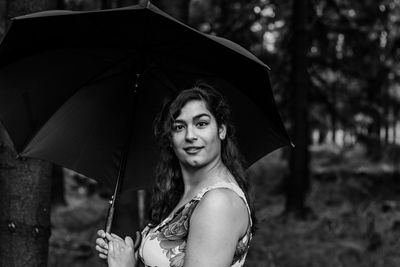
(101, 250)
(115, 240)
(101, 233)
(109, 237)
(129, 241)
(101, 243)
(117, 237)
(111, 248)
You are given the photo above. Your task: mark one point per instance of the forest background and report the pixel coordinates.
(333, 200)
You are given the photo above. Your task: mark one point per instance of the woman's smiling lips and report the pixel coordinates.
(192, 149)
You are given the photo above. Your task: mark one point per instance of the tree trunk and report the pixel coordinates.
(3, 14)
(386, 116)
(333, 115)
(25, 189)
(322, 136)
(298, 180)
(25, 186)
(394, 125)
(57, 186)
(106, 4)
(60, 4)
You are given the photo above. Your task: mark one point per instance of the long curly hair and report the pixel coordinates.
(169, 186)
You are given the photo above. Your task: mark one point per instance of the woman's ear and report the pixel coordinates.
(222, 132)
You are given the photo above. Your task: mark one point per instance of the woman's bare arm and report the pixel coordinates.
(218, 222)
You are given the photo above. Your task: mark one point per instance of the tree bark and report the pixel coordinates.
(3, 14)
(298, 180)
(25, 186)
(25, 189)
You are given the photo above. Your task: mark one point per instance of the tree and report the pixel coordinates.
(25, 186)
(298, 181)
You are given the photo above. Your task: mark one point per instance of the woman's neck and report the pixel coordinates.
(195, 179)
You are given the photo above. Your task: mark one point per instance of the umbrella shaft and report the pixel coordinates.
(110, 217)
(122, 166)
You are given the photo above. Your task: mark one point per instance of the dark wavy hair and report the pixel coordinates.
(169, 187)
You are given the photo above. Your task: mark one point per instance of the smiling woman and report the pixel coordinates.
(196, 137)
(200, 199)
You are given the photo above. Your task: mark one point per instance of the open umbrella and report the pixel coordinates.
(81, 89)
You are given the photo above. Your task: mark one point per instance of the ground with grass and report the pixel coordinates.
(355, 218)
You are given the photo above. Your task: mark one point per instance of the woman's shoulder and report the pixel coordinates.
(222, 206)
(223, 191)
(219, 197)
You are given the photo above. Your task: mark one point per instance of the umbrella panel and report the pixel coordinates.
(66, 71)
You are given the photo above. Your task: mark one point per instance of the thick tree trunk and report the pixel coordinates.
(25, 186)
(298, 180)
(3, 14)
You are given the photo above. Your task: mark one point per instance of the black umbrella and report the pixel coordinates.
(81, 89)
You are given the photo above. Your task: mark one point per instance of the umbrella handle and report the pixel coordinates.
(110, 216)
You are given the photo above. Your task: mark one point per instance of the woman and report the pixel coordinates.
(200, 215)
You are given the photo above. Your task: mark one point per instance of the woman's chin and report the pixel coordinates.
(194, 163)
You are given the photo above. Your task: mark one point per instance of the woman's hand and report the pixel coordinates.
(117, 251)
(101, 245)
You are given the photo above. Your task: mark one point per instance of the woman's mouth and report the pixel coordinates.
(192, 149)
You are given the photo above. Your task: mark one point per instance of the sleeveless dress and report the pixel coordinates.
(164, 245)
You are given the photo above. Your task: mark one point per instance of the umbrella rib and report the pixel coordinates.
(160, 76)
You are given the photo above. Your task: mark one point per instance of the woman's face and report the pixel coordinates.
(196, 137)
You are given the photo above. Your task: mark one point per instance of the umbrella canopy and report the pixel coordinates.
(76, 88)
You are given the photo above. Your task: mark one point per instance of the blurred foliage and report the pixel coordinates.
(353, 61)
(353, 65)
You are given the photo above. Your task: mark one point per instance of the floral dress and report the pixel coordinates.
(165, 244)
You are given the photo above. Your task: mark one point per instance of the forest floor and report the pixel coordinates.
(354, 218)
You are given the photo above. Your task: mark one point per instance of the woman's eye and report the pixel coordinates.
(202, 124)
(178, 127)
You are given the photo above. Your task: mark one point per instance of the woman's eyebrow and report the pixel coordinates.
(178, 121)
(201, 115)
(194, 118)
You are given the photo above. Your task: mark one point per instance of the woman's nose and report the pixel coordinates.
(190, 134)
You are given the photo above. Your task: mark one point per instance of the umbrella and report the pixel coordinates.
(81, 89)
